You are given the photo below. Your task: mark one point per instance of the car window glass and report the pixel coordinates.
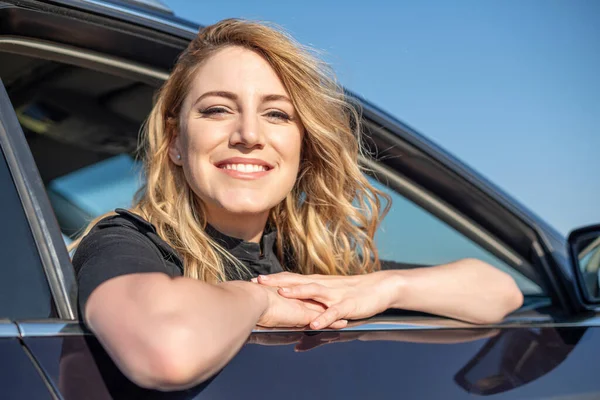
(412, 235)
(24, 290)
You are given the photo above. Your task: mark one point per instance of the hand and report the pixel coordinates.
(345, 297)
(292, 313)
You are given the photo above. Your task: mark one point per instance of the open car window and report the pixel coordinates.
(82, 127)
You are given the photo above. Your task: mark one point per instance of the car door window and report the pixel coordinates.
(409, 234)
(88, 163)
(24, 290)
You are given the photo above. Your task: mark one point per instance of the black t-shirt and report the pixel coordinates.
(126, 243)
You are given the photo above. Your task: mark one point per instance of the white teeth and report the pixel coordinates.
(245, 167)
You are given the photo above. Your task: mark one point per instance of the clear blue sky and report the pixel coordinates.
(510, 87)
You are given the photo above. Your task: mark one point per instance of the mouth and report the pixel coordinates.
(244, 167)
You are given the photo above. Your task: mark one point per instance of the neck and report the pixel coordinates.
(248, 227)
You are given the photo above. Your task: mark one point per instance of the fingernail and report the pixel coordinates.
(285, 290)
(316, 324)
(264, 277)
(254, 280)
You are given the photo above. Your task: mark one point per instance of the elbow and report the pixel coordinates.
(503, 298)
(170, 362)
(505, 304)
(510, 297)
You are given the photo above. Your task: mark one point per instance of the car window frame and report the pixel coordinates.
(38, 211)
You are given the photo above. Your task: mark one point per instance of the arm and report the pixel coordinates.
(172, 333)
(469, 290)
(162, 330)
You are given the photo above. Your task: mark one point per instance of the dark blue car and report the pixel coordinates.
(77, 81)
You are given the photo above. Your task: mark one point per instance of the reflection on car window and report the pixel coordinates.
(84, 194)
(409, 234)
(100, 187)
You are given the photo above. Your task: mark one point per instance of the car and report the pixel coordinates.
(77, 82)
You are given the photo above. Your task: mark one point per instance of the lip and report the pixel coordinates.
(244, 175)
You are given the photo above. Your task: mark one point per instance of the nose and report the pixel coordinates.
(248, 132)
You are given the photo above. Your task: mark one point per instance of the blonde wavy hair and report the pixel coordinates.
(327, 223)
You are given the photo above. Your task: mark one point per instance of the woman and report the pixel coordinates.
(251, 174)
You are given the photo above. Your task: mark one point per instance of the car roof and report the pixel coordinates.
(147, 13)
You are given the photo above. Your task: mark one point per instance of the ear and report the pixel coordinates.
(175, 153)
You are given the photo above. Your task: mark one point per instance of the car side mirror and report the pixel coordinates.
(584, 248)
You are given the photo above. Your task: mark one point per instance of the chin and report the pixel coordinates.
(244, 209)
(246, 206)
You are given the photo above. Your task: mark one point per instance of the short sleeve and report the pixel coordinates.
(111, 252)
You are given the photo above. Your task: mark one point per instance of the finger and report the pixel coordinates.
(314, 305)
(334, 313)
(334, 280)
(283, 279)
(312, 291)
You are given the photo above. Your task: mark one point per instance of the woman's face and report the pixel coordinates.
(239, 138)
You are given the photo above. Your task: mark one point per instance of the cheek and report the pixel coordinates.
(290, 152)
(200, 138)
(290, 147)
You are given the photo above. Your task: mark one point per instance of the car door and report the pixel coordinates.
(397, 354)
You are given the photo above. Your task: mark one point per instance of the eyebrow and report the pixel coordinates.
(234, 97)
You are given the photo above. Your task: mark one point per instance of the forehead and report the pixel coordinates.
(237, 70)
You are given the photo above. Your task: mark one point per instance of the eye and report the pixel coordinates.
(278, 115)
(213, 111)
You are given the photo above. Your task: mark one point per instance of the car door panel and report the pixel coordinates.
(19, 378)
(504, 363)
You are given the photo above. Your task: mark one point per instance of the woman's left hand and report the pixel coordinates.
(346, 297)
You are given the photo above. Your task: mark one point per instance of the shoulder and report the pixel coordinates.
(124, 219)
(125, 231)
(120, 232)
(121, 244)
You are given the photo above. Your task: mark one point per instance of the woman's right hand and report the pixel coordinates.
(282, 312)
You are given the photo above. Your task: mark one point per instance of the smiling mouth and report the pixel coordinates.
(248, 168)
(245, 168)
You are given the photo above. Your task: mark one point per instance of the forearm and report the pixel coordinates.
(469, 290)
(174, 333)
(217, 321)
